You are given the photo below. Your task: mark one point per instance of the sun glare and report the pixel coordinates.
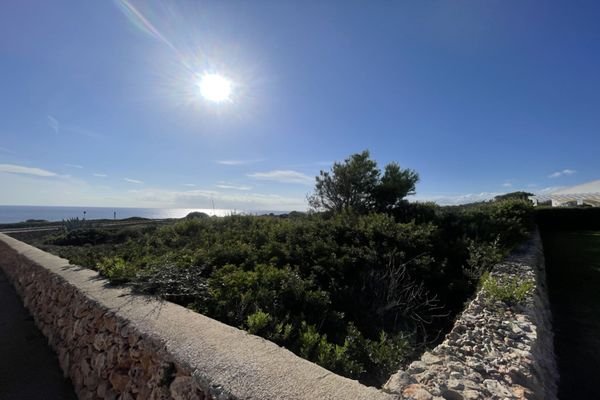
(215, 88)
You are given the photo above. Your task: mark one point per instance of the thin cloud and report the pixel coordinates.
(18, 169)
(283, 176)
(564, 172)
(53, 123)
(232, 186)
(189, 184)
(136, 181)
(100, 175)
(57, 127)
(239, 162)
(74, 166)
(5, 150)
(507, 184)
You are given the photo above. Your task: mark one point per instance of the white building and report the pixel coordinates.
(584, 194)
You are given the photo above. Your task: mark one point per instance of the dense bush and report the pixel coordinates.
(358, 294)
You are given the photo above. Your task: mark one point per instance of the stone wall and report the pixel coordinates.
(494, 351)
(116, 345)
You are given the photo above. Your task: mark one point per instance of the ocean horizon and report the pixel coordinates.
(14, 214)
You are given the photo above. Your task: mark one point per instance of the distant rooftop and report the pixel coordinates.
(585, 193)
(589, 187)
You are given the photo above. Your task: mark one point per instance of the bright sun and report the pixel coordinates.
(215, 88)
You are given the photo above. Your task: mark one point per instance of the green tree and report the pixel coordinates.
(395, 184)
(514, 196)
(357, 184)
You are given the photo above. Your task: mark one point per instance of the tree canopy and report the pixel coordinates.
(514, 195)
(357, 184)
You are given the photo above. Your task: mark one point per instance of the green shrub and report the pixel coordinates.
(358, 294)
(257, 322)
(482, 257)
(116, 269)
(511, 290)
(71, 224)
(315, 347)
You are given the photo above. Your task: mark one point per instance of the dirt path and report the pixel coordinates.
(28, 367)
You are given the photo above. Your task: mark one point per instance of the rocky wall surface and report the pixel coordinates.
(495, 350)
(113, 344)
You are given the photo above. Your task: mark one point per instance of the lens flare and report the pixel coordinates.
(215, 88)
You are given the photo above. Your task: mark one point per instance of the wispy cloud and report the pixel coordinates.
(507, 185)
(58, 126)
(283, 176)
(5, 150)
(53, 123)
(136, 181)
(459, 198)
(189, 184)
(21, 170)
(239, 162)
(564, 172)
(74, 166)
(233, 186)
(100, 175)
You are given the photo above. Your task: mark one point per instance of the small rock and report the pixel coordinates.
(455, 384)
(452, 395)
(471, 395)
(417, 392)
(118, 381)
(496, 389)
(182, 388)
(398, 381)
(417, 367)
(101, 390)
(431, 359)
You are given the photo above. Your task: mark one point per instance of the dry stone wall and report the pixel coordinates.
(113, 344)
(494, 351)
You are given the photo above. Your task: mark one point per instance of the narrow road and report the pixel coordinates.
(28, 367)
(109, 225)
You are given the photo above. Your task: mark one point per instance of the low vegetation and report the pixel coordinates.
(359, 288)
(511, 291)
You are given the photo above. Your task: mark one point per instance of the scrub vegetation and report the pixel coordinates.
(508, 290)
(360, 285)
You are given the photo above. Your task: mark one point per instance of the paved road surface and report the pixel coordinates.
(28, 367)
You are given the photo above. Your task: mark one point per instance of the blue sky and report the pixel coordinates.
(100, 104)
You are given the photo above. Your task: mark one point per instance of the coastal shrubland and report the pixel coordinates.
(358, 290)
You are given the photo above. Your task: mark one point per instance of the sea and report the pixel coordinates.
(13, 214)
